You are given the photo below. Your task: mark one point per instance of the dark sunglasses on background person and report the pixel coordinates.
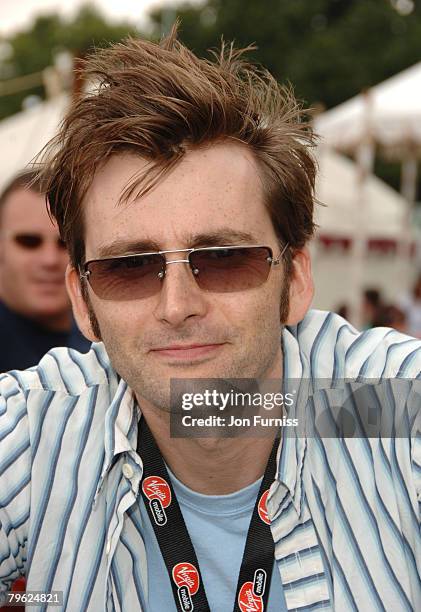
(221, 269)
(31, 241)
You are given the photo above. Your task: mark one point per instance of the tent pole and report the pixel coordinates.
(409, 176)
(364, 166)
(408, 191)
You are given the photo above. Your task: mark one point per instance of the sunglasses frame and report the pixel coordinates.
(85, 272)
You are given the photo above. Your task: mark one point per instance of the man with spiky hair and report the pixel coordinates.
(184, 189)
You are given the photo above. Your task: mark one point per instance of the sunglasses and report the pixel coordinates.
(221, 269)
(31, 242)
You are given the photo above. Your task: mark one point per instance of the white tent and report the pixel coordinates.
(383, 219)
(388, 113)
(387, 117)
(23, 135)
(337, 188)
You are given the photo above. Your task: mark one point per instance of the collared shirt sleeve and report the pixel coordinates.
(15, 482)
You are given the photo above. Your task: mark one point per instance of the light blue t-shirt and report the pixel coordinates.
(218, 526)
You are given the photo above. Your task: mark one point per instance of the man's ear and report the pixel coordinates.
(79, 305)
(301, 290)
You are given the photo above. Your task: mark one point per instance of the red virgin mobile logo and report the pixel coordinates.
(248, 601)
(262, 508)
(185, 574)
(157, 490)
(155, 487)
(186, 577)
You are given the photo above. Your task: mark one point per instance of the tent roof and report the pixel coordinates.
(23, 135)
(337, 187)
(391, 111)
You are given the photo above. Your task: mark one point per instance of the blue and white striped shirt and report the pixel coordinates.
(345, 512)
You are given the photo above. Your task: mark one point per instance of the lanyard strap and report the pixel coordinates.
(176, 546)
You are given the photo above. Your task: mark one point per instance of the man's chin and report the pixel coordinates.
(46, 310)
(195, 370)
(49, 299)
(48, 314)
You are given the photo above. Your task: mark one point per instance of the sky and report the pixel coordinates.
(19, 14)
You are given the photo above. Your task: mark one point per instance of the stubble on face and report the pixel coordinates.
(134, 367)
(212, 190)
(93, 321)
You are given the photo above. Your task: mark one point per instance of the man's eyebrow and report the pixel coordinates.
(220, 237)
(126, 247)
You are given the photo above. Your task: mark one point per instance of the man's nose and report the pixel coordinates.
(180, 297)
(52, 254)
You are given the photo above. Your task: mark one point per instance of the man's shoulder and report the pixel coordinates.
(9, 320)
(330, 346)
(64, 370)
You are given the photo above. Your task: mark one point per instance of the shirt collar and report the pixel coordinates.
(291, 452)
(120, 428)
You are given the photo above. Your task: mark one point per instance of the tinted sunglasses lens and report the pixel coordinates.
(225, 270)
(126, 278)
(28, 241)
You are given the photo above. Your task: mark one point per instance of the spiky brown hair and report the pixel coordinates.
(160, 100)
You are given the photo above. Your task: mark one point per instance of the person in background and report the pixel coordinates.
(35, 312)
(343, 311)
(411, 306)
(390, 315)
(371, 305)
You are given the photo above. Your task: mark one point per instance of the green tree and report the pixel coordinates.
(329, 49)
(34, 49)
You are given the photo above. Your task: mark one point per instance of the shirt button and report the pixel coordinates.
(108, 547)
(128, 470)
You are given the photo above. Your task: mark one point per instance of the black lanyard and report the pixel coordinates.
(177, 548)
